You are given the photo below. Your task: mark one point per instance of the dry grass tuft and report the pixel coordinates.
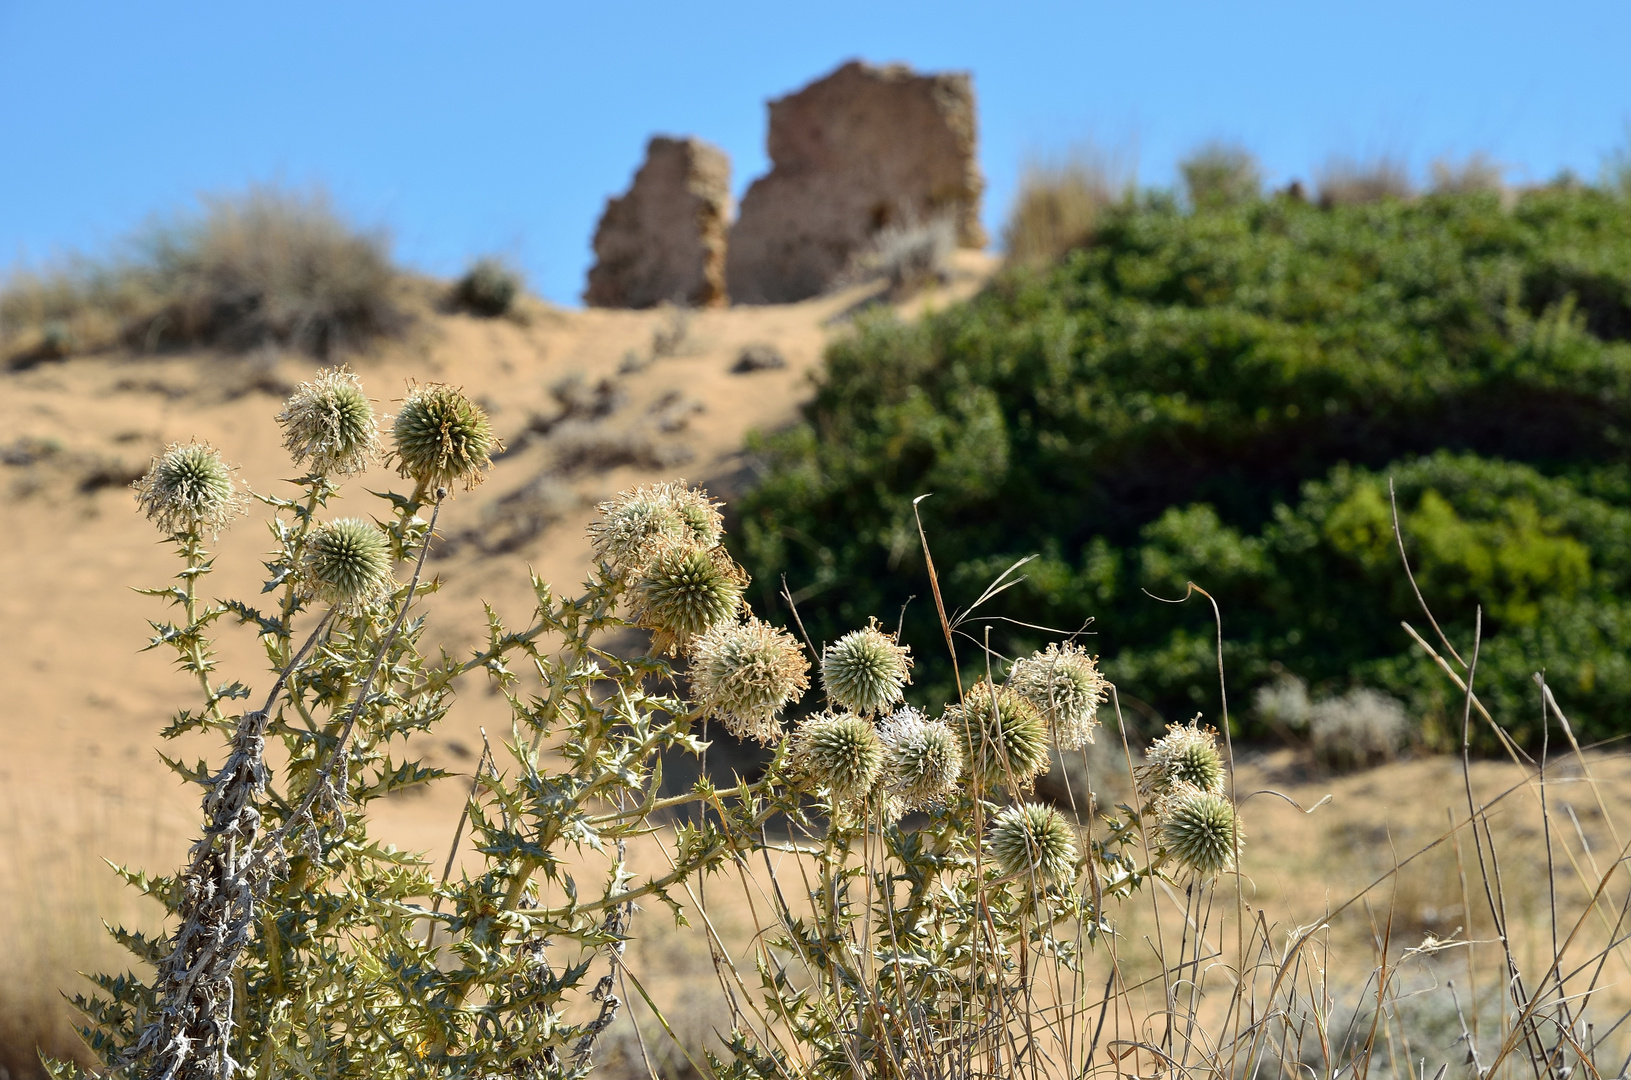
(1346, 181)
(1059, 203)
(1477, 173)
(1221, 175)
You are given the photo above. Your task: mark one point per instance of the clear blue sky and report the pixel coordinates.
(474, 127)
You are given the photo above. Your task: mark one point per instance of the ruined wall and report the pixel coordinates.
(664, 239)
(863, 148)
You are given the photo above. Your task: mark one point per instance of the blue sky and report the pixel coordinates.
(502, 127)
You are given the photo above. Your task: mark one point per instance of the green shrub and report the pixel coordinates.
(1222, 397)
(1219, 175)
(489, 288)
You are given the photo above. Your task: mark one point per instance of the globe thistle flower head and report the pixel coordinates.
(922, 758)
(639, 521)
(1200, 830)
(745, 673)
(840, 752)
(1004, 738)
(864, 670)
(347, 562)
(1186, 755)
(329, 424)
(189, 488)
(1065, 685)
(1033, 841)
(683, 591)
(442, 436)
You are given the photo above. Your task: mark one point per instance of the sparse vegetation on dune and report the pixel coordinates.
(270, 267)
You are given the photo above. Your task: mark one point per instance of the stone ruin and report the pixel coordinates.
(664, 239)
(860, 150)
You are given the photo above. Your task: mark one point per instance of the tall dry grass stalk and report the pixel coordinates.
(1059, 201)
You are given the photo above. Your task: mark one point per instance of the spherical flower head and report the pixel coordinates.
(1004, 738)
(1065, 685)
(1186, 755)
(442, 436)
(639, 521)
(189, 488)
(746, 673)
(329, 424)
(922, 757)
(840, 752)
(683, 591)
(347, 562)
(1033, 841)
(1200, 830)
(865, 670)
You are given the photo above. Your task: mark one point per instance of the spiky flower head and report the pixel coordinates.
(1186, 755)
(683, 591)
(840, 752)
(633, 525)
(1200, 830)
(1064, 683)
(442, 436)
(1033, 840)
(347, 563)
(189, 488)
(329, 424)
(864, 670)
(922, 758)
(1004, 738)
(745, 673)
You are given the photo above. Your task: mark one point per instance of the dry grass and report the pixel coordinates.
(1059, 202)
(1221, 175)
(1347, 181)
(1475, 173)
(271, 267)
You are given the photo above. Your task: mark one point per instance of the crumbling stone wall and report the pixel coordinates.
(861, 149)
(664, 239)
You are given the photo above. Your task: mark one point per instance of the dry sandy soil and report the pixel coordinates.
(79, 777)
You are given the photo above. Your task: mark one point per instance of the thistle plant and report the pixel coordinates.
(1185, 757)
(298, 941)
(865, 670)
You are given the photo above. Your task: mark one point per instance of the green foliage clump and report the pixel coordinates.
(489, 288)
(1224, 397)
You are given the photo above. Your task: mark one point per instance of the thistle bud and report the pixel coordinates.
(638, 522)
(1065, 685)
(1186, 756)
(1033, 841)
(347, 563)
(841, 753)
(683, 591)
(442, 436)
(189, 488)
(746, 673)
(329, 424)
(865, 670)
(1004, 738)
(1200, 830)
(921, 758)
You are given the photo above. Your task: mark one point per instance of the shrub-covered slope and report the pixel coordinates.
(1222, 397)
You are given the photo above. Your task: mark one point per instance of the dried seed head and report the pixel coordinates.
(347, 563)
(683, 591)
(189, 488)
(1065, 685)
(329, 424)
(746, 673)
(1033, 839)
(442, 436)
(1200, 830)
(1004, 741)
(1186, 755)
(922, 758)
(865, 670)
(840, 752)
(639, 521)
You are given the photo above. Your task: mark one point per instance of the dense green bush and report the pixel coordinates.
(1222, 397)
